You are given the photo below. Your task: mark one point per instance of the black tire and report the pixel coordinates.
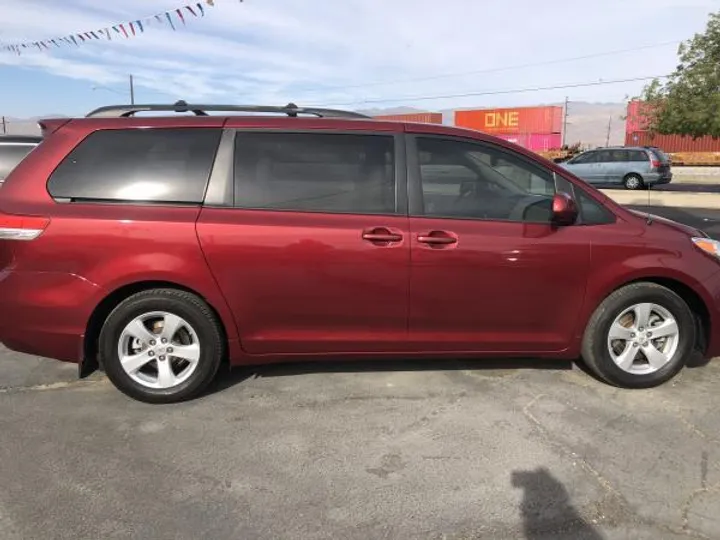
(595, 351)
(634, 182)
(183, 304)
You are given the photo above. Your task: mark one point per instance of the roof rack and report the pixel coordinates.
(292, 110)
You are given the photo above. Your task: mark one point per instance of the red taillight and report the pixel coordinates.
(655, 164)
(21, 227)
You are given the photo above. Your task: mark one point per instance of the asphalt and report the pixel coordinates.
(408, 450)
(447, 450)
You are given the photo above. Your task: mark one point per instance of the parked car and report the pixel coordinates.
(634, 168)
(164, 246)
(12, 151)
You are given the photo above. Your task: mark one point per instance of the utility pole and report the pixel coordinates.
(564, 129)
(4, 126)
(132, 91)
(607, 139)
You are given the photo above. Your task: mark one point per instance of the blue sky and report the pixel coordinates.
(349, 53)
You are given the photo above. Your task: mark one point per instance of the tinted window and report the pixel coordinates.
(591, 211)
(605, 156)
(320, 172)
(637, 155)
(587, 157)
(153, 165)
(467, 180)
(618, 156)
(11, 155)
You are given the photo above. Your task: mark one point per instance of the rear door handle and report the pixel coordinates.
(437, 238)
(381, 235)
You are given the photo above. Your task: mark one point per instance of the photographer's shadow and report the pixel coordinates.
(546, 508)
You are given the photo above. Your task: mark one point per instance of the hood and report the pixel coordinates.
(685, 229)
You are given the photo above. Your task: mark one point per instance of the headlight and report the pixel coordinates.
(708, 245)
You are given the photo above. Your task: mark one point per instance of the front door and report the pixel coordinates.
(489, 273)
(313, 257)
(587, 167)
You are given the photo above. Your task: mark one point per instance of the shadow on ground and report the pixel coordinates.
(231, 377)
(546, 509)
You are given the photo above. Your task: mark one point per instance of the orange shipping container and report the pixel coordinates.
(672, 143)
(423, 118)
(517, 120)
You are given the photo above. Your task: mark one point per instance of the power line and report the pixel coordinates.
(498, 69)
(497, 92)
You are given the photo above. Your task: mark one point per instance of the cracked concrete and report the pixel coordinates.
(436, 450)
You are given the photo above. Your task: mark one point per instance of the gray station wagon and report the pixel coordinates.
(633, 167)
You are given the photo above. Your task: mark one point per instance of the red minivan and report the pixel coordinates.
(161, 246)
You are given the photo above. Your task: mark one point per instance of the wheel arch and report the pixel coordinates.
(688, 293)
(89, 361)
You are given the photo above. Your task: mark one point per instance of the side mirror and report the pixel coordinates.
(564, 210)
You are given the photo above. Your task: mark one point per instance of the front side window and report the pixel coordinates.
(587, 157)
(315, 172)
(144, 165)
(467, 180)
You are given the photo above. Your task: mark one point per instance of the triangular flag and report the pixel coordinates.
(54, 42)
(182, 18)
(94, 35)
(124, 31)
(167, 14)
(159, 18)
(191, 10)
(107, 33)
(81, 38)
(132, 28)
(140, 26)
(202, 9)
(116, 29)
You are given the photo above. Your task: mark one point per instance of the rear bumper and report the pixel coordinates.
(45, 313)
(655, 179)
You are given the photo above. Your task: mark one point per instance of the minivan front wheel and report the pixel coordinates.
(640, 336)
(634, 181)
(161, 346)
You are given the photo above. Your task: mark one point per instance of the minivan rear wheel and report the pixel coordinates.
(640, 336)
(161, 346)
(634, 181)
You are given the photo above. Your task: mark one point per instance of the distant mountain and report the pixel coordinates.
(587, 122)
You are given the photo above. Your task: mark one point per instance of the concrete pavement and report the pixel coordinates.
(437, 450)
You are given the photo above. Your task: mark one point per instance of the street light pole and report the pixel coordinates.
(132, 91)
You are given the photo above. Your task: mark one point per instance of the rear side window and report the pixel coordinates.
(11, 155)
(637, 155)
(320, 172)
(148, 165)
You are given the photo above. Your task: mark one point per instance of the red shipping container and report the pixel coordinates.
(516, 120)
(537, 142)
(423, 117)
(636, 120)
(672, 143)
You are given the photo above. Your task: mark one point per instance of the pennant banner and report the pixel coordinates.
(124, 30)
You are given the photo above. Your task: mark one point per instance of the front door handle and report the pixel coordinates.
(437, 238)
(381, 235)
